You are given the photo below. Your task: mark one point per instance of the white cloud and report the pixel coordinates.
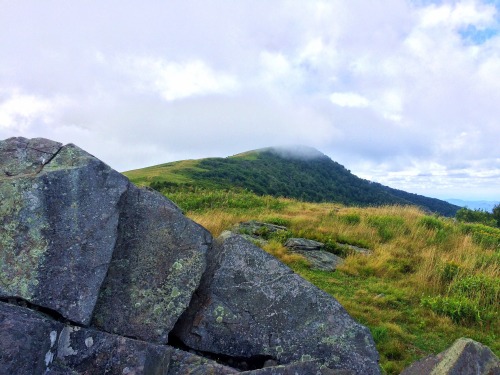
(18, 111)
(173, 80)
(457, 14)
(394, 86)
(349, 99)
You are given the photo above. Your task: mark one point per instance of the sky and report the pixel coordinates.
(402, 92)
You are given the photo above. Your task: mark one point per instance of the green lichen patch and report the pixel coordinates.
(22, 244)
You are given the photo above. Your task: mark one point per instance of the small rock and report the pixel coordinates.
(355, 249)
(321, 260)
(302, 244)
(464, 357)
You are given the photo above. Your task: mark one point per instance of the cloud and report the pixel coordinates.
(400, 91)
(20, 111)
(349, 99)
(174, 80)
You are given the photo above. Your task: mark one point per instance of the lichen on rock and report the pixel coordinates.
(282, 316)
(157, 264)
(59, 218)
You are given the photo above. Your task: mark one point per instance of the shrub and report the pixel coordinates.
(386, 226)
(475, 216)
(379, 334)
(204, 199)
(486, 260)
(449, 271)
(278, 221)
(431, 223)
(483, 235)
(403, 265)
(333, 247)
(485, 290)
(459, 309)
(281, 236)
(350, 219)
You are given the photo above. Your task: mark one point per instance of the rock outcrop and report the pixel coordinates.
(283, 317)
(464, 357)
(59, 210)
(35, 344)
(99, 276)
(157, 265)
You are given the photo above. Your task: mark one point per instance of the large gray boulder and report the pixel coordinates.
(251, 305)
(59, 216)
(157, 265)
(34, 344)
(464, 357)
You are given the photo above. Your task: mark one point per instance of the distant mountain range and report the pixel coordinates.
(474, 205)
(300, 172)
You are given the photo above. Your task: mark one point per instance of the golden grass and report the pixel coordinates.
(410, 260)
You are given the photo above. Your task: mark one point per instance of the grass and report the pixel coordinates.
(174, 172)
(428, 282)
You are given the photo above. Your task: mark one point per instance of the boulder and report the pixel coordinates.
(253, 306)
(35, 344)
(464, 357)
(184, 363)
(22, 156)
(29, 340)
(59, 217)
(307, 367)
(156, 267)
(321, 260)
(303, 244)
(257, 228)
(80, 245)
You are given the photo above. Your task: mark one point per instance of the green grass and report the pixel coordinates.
(177, 173)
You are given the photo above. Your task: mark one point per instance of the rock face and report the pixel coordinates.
(35, 344)
(464, 357)
(98, 276)
(283, 317)
(59, 214)
(156, 267)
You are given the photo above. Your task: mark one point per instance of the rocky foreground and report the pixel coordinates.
(99, 276)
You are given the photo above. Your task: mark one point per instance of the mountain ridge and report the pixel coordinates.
(298, 172)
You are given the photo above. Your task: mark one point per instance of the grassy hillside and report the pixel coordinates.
(309, 176)
(429, 281)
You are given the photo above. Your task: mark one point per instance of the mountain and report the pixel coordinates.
(300, 172)
(474, 205)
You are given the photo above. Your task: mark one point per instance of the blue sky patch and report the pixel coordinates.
(473, 35)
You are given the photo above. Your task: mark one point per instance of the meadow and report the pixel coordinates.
(429, 281)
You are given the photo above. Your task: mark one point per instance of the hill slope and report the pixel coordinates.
(303, 173)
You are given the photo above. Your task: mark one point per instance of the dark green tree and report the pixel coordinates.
(496, 214)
